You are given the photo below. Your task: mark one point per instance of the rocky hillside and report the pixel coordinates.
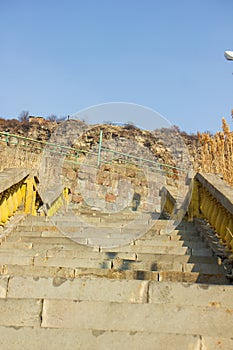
(163, 144)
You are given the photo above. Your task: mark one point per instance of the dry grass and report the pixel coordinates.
(216, 153)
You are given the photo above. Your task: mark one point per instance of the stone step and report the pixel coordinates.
(122, 261)
(190, 294)
(204, 268)
(167, 266)
(173, 237)
(127, 291)
(163, 250)
(67, 272)
(129, 215)
(131, 256)
(38, 338)
(68, 254)
(37, 271)
(112, 239)
(154, 242)
(71, 245)
(20, 312)
(173, 276)
(44, 240)
(116, 263)
(115, 233)
(106, 232)
(15, 260)
(165, 318)
(105, 255)
(154, 225)
(163, 231)
(65, 243)
(79, 222)
(72, 227)
(177, 258)
(52, 271)
(46, 246)
(72, 262)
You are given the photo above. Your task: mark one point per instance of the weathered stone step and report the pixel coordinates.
(88, 253)
(166, 318)
(129, 215)
(126, 248)
(204, 268)
(67, 254)
(131, 256)
(154, 242)
(177, 258)
(112, 238)
(79, 222)
(114, 241)
(174, 235)
(163, 250)
(167, 266)
(163, 231)
(20, 313)
(116, 263)
(120, 264)
(45, 246)
(15, 260)
(72, 240)
(173, 276)
(38, 338)
(68, 244)
(193, 237)
(52, 271)
(73, 226)
(37, 271)
(191, 294)
(107, 260)
(129, 291)
(50, 240)
(72, 262)
(155, 226)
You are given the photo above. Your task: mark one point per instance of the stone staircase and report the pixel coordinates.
(161, 291)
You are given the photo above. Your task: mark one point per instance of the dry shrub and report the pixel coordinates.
(216, 152)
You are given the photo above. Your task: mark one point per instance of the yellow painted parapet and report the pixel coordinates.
(212, 199)
(11, 200)
(168, 200)
(61, 201)
(30, 196)
(216, 207)
(18, 192)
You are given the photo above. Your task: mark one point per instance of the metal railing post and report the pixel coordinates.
(100, 146)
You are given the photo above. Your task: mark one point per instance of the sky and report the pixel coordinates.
(60, 57)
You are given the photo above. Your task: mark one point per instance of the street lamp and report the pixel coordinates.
(229, 55)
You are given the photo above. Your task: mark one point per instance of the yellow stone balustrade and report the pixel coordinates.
(212, 199)
(19, 192)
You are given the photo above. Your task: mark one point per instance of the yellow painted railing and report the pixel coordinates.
(212, 199)
(13, 192)
(62, 200)
(215, 203)
(19, 192)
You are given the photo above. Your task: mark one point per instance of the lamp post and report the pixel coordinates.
(229, 55)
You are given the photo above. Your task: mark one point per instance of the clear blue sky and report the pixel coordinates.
(62, 56)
